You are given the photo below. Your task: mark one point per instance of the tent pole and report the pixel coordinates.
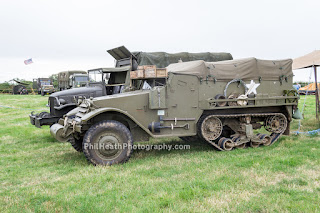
(317, 92)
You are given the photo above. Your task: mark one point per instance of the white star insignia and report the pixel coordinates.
(252, 88)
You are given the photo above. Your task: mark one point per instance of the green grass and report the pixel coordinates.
(40, 174)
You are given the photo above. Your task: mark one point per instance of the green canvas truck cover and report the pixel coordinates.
(246, 69)
(163, 59)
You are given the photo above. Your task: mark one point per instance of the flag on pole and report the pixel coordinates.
(28, 61)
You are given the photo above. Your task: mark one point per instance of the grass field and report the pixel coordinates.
(40, 174)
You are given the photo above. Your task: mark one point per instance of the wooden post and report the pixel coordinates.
(317, 92)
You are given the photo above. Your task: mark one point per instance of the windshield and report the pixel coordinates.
(95, 76)
(81, 78)
(45, 82)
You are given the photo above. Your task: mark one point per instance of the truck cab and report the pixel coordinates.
(78, 80)
(71, 79)
(111, 80)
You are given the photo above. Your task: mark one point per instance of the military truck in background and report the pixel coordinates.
(222, 103)
(72, 79)
(43, 86)
(47, 90)
(110, 81)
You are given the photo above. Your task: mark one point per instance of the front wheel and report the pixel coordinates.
(107, 143)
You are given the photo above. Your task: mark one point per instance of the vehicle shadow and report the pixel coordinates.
(170, 146)
(155, 148)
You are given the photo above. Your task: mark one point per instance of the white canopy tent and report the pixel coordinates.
(310, 60)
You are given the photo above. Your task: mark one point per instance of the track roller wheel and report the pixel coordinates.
(220, 141)
(266, 139)
(254, 144)
(236, 140)
(226, 144)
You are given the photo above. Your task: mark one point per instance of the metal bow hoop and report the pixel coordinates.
(234, 81)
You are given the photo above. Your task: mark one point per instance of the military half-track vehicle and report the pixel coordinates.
(72, 79)
(108, 81)
(222, 103)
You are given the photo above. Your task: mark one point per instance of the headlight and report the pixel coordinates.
(62, 101)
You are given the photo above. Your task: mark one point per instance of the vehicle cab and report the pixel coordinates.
(110, 80)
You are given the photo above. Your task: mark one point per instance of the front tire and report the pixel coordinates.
(107, 143)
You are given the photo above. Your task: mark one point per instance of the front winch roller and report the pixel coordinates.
(57, 131)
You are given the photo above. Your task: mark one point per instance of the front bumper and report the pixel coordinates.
(39, 121)
(48, 91)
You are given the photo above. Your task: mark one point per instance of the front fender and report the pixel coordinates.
(99, 111)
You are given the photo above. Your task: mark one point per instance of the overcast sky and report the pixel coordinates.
(65, 35)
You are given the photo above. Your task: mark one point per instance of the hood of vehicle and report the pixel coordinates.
(123, 101)
(67, 96)
(76, 91)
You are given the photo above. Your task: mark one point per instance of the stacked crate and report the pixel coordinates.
(148, 71)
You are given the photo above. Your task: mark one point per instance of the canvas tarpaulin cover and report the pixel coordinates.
(246, 69)
(163, 59)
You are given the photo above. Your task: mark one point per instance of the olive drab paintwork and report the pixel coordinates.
(218, 102)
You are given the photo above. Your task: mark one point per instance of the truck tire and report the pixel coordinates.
(107, 143)
(76, 143)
